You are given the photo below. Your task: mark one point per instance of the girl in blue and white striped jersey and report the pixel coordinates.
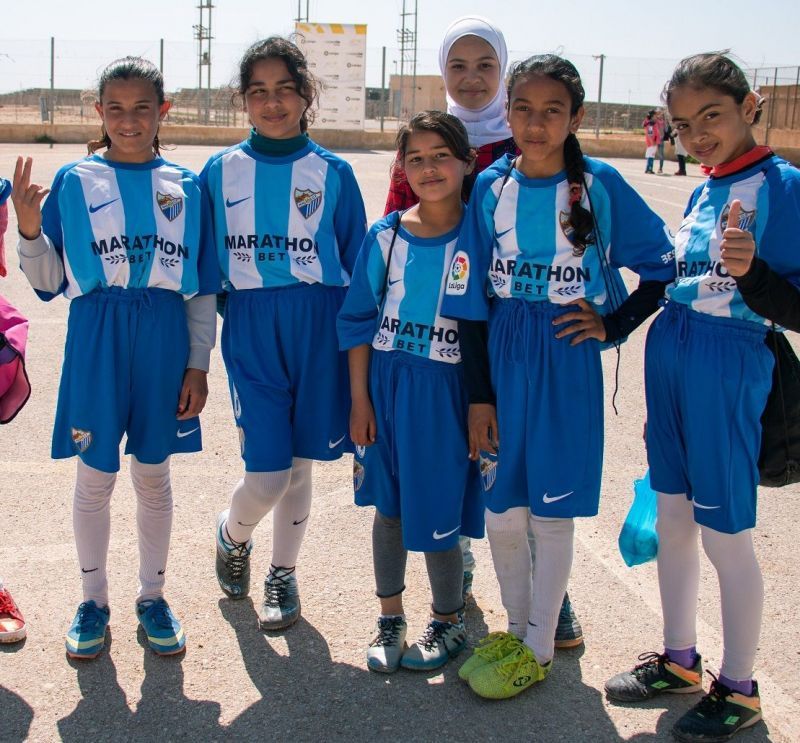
(288, 220)
(708, 374)
(408, 419)
(126, 237)
(538, 257)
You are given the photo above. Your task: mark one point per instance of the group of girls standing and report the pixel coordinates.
(472, 376)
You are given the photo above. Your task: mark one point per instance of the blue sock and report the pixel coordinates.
(686, 658)
(743, 687)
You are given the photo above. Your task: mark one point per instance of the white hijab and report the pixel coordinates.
(488, 124)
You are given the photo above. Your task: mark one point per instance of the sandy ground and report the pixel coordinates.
(311, 683)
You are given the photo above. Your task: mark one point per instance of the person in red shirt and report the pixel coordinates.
(473, 59)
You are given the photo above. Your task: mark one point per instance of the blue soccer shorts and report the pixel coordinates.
(418, 469)
(124, 361)
(707, 380)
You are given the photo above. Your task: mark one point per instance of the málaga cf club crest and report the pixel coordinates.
(746, 219)
(171, 206)
(307, 201)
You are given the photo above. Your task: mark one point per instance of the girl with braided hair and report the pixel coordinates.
(535, 286)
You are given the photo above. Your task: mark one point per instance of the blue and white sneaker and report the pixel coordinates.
(164, 632)
(233, 563)
(439, 642)
(87, 633)
(281, 606)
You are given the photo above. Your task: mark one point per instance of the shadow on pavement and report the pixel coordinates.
(307, 696)
(163, 713)
(16, 716)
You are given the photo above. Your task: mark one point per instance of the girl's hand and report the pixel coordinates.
(737, 247)
(193, 394)
(362, 422)
(586, 322)
(482, 422)
(27, 198)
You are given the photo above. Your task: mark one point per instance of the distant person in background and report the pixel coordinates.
(664, 134)
(650, 139)
(680, 153)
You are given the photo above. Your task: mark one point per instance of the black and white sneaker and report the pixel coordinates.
(439, 642)
(233, 563)
(281, 605)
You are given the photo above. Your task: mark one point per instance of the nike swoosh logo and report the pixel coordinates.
(88, 571)
(253, 524)
(700, 505)
(392, 283)
(161, 572)
(436, 534)
(498, 235)
(93, 208)
(297, 523)
(184, 434)
(334, 444)
(552, 499)
(230, 203)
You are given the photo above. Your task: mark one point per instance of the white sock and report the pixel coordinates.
(553, 540)
(678, 563)
(508, 541)
(253, 498)
(153, 490)
(741, 589)
(290, 519)
(91, 524)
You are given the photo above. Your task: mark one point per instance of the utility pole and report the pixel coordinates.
(408, 55)
(202, 32)
(602, 58)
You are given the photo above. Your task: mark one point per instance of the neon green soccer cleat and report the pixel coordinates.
(509, 676)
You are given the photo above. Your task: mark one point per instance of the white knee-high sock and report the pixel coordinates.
(678, 570)
(553, 540)
(253, 498)
(290, 519)
(91, 523)
(153, 490)
(741, 589)
(508, 541)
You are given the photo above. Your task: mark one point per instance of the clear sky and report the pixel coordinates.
(642, 40)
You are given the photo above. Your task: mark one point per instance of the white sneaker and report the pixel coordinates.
(440, 642)
(386, 649)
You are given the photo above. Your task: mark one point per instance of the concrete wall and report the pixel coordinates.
(786, 143)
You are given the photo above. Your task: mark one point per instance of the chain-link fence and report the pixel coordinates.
(202, 93)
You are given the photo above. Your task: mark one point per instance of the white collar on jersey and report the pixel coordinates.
(488, 124)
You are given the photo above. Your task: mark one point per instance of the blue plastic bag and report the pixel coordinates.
(638, 540)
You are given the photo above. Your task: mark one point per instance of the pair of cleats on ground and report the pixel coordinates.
(281, 605)
(86, 636)
(439, 642)
(502, 666)
(719, 715)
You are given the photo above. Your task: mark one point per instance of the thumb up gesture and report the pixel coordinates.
(737, 247)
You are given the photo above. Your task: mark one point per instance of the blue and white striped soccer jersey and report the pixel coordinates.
(281, 221)
(417, 470)
(704, 437)
(515, 265)
(134, 246)
(287, 232)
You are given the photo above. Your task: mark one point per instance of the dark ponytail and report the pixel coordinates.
(563, 71)
(580, 218)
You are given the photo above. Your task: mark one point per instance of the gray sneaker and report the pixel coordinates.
(233, 563)
(281, 606)
(569, 633)
(440, 642)
(387, 647)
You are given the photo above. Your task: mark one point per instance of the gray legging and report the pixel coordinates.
(445, 569)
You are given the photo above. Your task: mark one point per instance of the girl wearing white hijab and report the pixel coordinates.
(472, 59)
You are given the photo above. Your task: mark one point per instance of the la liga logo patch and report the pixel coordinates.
(458, 276)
